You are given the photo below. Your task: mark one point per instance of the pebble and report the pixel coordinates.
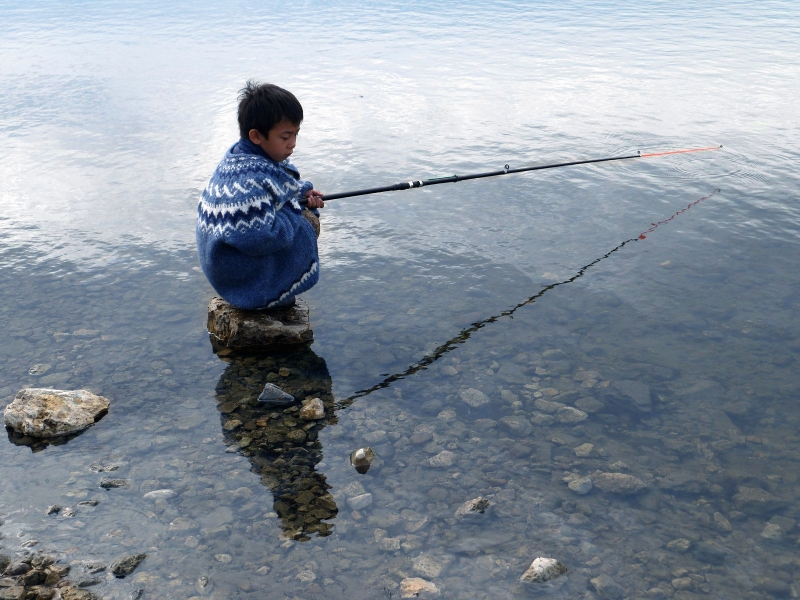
(721, 523)
(447, 415)
(445, 458)
(548, 406)
(517, 425)
(772, 532)
(543, 569)
(618, 483)
(475, 398)
(53, 509)
(312, 410)
(127, 565)
(272, 395)
(581, 485)
(428, 565)
(589, 404)
(413, 587)
(362, 459)
(110, 484)
(606, 588)
(584, 450)
(360, 502)
(568, 414)
(476, 505)
(164, 494)
(223, 558)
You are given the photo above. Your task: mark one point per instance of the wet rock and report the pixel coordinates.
(772, 532)
(375, 437)
(5, 560)
(53, 509)
(127, 565)
(33, 577)
(618, 483)
(589, 404)
(543, 569)
(414, 587)
(17, 568)
(272, 395)
(721, 523)
(39, 369)
(775, 588)
(709, 552)
(519, 426)
(606, 588)
(445, 458)
(76, 593)
(16, 592)
(542, 419)
(784, 523)
(475, 506)
(360, 502)
(636, 393)
(548, 406)
(110, 484)
(312, 410)
(568, 414)
(362, 458)
(474, 398)
(581, 485)
(682, 483)
(46, 413)
(428, 565)
(756, 501)
(584, 450)
(251, 330)
(164, 494)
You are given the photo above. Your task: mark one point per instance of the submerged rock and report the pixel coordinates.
(581, 485)
(46, 413)
(476, 505)
(473, 397)
(253, 330)
(362, 459)
(607, 588)
(618, 483)
(127, 565)
(413, 587)
(543, 569)
(312, 410)
(272, 395)
(636, 393)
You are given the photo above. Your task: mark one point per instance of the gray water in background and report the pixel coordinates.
(112, 118)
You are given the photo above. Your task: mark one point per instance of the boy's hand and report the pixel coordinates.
(314, 199)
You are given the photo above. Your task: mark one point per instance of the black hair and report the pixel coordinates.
(264, 105)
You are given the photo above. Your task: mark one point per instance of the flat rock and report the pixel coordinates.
(127, 565)
(475, 506)
(360, 502)
(517, 425)
(46, 413)
(272, 395)
(76, 593)
(756, 501)
(636, 392)
(473, 397)
(589, 404)
(429, 566)
(445, 458)
(414, 587)
(16, 592)
(606, 588)
(543, 569)
(568, 414)
(618, 483)
(581, 485)
(255, 330)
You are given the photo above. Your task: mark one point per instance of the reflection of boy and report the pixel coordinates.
(256, 247)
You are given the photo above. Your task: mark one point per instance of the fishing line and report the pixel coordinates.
(466, 333)
(507, 170)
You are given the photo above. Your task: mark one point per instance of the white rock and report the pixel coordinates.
(312, 410)
(164, 494)
(413, 587)
(543, 569)
(445, 458)
(581, 485)
(474, 398)
(584, 450)
(477, 505)
(360, 502)
(47, 413)
(429, 566)
(772, 532)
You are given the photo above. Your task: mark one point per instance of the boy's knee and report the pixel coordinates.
(313, 219)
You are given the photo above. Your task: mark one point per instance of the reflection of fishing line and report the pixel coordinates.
(465, 334)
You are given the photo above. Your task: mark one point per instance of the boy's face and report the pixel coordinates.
(280, 142)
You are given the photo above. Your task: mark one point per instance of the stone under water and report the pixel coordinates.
(233, 330)
(46, 413)
(543, 569)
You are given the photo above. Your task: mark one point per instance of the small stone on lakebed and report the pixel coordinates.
(237, 330)
(543, 569)
(127, 565)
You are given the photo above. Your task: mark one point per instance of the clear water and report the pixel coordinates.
(111, 120)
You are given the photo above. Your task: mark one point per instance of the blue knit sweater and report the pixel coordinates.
(255, 247)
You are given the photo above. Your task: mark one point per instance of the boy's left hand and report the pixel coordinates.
(314, 199)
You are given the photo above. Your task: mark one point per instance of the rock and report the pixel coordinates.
(784, 523)
(17, 568)
(360, 502)
(568, 414)
(389, 544)
(449, 370)
(474, 398)
(542, 419)
(548, 406)
(127, 565)
(40, 369)
(584, 450)
(709, 552)
(475, 506)
(110, 484)
(375, 437)
(772, 532)
(776, 588)
(362, 458)
(46, 413)
(312, 410)
(16, 592)
(589, 404)
(682, 583)
(413, 587)
(428, 565)
(756, 501)
(637, 392)
(223, 558)
(543, 569)
(53, 509)
(618, 483)
(581, 485)
(682, 483)
(272, 395)
(721, 523)
(517, 425)
(164, 494)
(606, 588)
(445, 458)
(5, 560)
(255, 330)
(76, 593)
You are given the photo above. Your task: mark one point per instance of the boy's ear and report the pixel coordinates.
(255, 136)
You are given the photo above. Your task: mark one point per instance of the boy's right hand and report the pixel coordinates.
(314, 199)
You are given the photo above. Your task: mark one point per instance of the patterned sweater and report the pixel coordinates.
(255, 247)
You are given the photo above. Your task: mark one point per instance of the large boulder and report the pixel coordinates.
(232, 329)
(46, 413)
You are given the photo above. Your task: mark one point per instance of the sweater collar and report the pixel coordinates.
(244, 146)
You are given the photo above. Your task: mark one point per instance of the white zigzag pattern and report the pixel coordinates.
(296, 285)
(242, 226)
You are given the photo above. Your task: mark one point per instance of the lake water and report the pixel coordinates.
(674, 357)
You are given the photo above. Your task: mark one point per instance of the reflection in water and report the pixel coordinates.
(282, 447)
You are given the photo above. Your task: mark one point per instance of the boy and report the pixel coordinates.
(256, 247)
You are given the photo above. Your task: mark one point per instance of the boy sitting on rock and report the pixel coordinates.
(257, 244)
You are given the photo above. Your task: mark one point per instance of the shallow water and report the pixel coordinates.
(681, 348)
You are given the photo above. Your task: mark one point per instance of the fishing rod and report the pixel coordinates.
(507, 170)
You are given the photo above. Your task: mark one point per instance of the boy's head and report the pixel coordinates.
(270, 117)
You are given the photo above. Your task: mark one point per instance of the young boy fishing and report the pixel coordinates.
(255, 238)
